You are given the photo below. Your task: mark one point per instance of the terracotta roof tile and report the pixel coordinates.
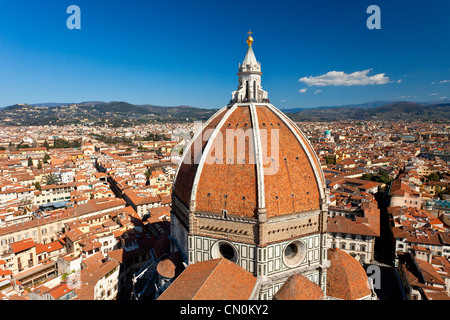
(22, 245)
(218, 279)
(232, 183)
(346, 278)
(298, 287)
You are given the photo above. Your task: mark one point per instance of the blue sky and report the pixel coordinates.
(187, 52)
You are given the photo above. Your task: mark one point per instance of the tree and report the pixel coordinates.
(331, 160)
(46, 145)
(37, 185)
(39, 165)
(51, 179)
(46, 158)
(433, 176)
(382, 177)
(367, 176)
(30, 162)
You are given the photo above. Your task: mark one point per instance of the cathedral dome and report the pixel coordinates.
(250, 189)
(297, 287)
(251, 158)
(346, 278)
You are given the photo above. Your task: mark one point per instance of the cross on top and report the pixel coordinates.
(249, 33)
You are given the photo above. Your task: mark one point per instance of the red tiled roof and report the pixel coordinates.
(22, 245)
(49, 247)
(298, 287)
(346, 278)
(429, 273)
(218, 279)
(5, 272)
(60, 290)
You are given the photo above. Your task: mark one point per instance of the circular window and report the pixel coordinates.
(294, 253)
(224, 249)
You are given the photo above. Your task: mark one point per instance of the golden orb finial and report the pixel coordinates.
(249, 39)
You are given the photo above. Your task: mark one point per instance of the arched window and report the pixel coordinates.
(247, 91)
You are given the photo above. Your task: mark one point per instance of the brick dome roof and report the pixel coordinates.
(346, 278)
(297, 287)
(269, 168)
(170, 267)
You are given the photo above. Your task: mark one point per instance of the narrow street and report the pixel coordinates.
(389, 287)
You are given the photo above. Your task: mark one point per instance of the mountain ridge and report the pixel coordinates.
(120, 113)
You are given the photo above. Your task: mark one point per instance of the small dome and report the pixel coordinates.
(297, 287)
(171, 267)
(166, 268)
(346, 278)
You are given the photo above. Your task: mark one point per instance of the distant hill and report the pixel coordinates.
(121, 113)
(401, 110)
(114, 113)
(371, 104)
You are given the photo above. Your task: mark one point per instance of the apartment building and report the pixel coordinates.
(53, 193)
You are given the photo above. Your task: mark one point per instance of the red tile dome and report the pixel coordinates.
(270, 167)
(298, 287)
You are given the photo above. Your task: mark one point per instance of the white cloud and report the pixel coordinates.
(433, 94)
(442, 81)
(340, 78)
(317, 91)
(284, 100)
(399, 81)
(442, 97)
(303, 90)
